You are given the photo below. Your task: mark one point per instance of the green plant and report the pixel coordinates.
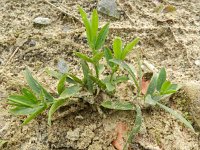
(35, 101)
(119, 53)
(158, 89)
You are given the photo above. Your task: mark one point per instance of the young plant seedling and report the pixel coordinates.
(158, 89)
(119, 54)
(35, 101)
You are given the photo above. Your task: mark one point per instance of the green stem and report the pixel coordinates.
(96, 70)
(113, 72)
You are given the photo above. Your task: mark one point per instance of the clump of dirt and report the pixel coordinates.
(167, 39)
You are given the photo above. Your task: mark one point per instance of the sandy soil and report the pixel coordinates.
(171, 40)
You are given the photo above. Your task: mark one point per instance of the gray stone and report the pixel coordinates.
(108, 7)
(42, 21)
(62, 66)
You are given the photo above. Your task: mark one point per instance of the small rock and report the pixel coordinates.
(42, 21)
(62, 66)
(192, 90)
(197, 62)
(32, 43)
(108, 7)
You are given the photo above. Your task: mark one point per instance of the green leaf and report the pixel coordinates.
(98, 82)
(56, 105)
(117, 47)
(94, 24)
(169, 88)
(35, 86)
(102, 36)
(97, 57)
(152, 85)
(117, 105)
(165, 86)
(150, 100)
(22, 100)
(108, 56)
(87, 26)
(22, 110)
(61, 84)
(87, 80)
(110, 87)
(129, 48)
(120, 79)
(84, 57)
(38, 111)
(70, 91)
(54, 74)
(27, 93)
(136, 129)
(176, 115)
(129, 69)
(161, 79)
(75, 78)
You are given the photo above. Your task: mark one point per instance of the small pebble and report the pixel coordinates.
(197, 62)
(42, 21)
(62, 66)
(32, 43)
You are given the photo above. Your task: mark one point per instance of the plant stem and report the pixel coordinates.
(113, 72)
(96, 70)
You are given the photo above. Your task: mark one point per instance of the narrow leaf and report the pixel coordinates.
(98, 82)
(87, 26)
(129, 48)
(97, 57)
(70, 91)
(94, 24)
(161, 79)
(35, 86)
(56, 105)
(75, 78)
(129, 69)
(117, 47)
(102, 36)
(34, 115)
(27, 93)
(61, 84)
(117, 105)
(136, 129)
(84, 57)
(120, 79)
(22, 110)
(87, 80)
(108, 56)
(152, 85)
(176, 115)
(54, 74)
(22, 100)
